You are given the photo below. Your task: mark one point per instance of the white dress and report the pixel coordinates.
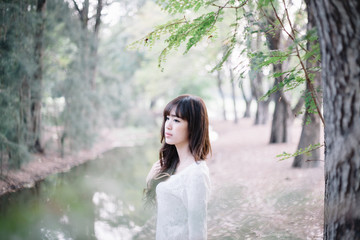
(182, 204)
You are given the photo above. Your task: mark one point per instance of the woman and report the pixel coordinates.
(179, 182)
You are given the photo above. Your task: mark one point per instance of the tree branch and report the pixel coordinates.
(298, 106)
(283, 27)
(77, 7)
(241, 5)
(311, 87)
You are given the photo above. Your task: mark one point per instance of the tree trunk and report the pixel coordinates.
(256, 75)
(94, 45)
(90, 40)
(338, 24)
(221, 92)
(233, 95)
(310, 133)
(280, 123)
(247, 113)
(262, 110)
(86, 44)
(246, 100)
(25, 113)
(36, 86)
(299, 104)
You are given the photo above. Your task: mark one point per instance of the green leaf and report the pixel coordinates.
(176, 6)
(299, 152)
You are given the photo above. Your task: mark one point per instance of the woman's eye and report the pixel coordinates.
(167, 118)
(176, 120)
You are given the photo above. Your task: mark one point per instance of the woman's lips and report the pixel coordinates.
(168, 135)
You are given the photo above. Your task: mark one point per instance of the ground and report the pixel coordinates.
(255, 196)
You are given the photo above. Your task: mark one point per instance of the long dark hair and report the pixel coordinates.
(193, 110)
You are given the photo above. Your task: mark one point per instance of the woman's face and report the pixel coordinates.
(176, 130)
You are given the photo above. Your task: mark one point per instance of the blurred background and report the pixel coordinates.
(76, 85)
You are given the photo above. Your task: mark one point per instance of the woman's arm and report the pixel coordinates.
(198, 192)
(154, 170)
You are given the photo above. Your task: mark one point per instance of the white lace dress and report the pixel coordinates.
(182, 204)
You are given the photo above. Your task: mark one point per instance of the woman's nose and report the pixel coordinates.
(168, 124)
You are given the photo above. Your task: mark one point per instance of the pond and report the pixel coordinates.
(101, 199)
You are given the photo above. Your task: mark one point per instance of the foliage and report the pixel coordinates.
(191, 31)
(294, 77)
(300, 151)
(16, 68)
(72, 111)
(152, 87)
(175, 6)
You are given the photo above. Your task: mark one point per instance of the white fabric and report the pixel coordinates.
(182, 204)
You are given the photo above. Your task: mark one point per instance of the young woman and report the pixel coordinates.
(179, 182)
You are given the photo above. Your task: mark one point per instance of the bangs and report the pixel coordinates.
(180, 109)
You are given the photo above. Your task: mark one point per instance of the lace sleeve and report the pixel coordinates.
(197, 192)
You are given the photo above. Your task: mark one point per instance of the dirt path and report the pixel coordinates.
(255, 196)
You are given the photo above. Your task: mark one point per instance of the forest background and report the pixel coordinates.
(67, 70)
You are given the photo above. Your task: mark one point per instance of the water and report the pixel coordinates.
(101, 199)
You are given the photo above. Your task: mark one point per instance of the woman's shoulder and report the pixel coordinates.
(201, 163)
(200, 168)
(199, 175)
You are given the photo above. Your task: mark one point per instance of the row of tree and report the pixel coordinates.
(50, 86)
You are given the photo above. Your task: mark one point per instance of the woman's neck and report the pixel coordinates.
(185, 155)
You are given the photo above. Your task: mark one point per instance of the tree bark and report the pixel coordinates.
(338, 24)
(310, 133)
(36, 86)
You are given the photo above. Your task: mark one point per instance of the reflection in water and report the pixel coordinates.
(101, 199)
(48, 234)
(110, 209)
(108, 206)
